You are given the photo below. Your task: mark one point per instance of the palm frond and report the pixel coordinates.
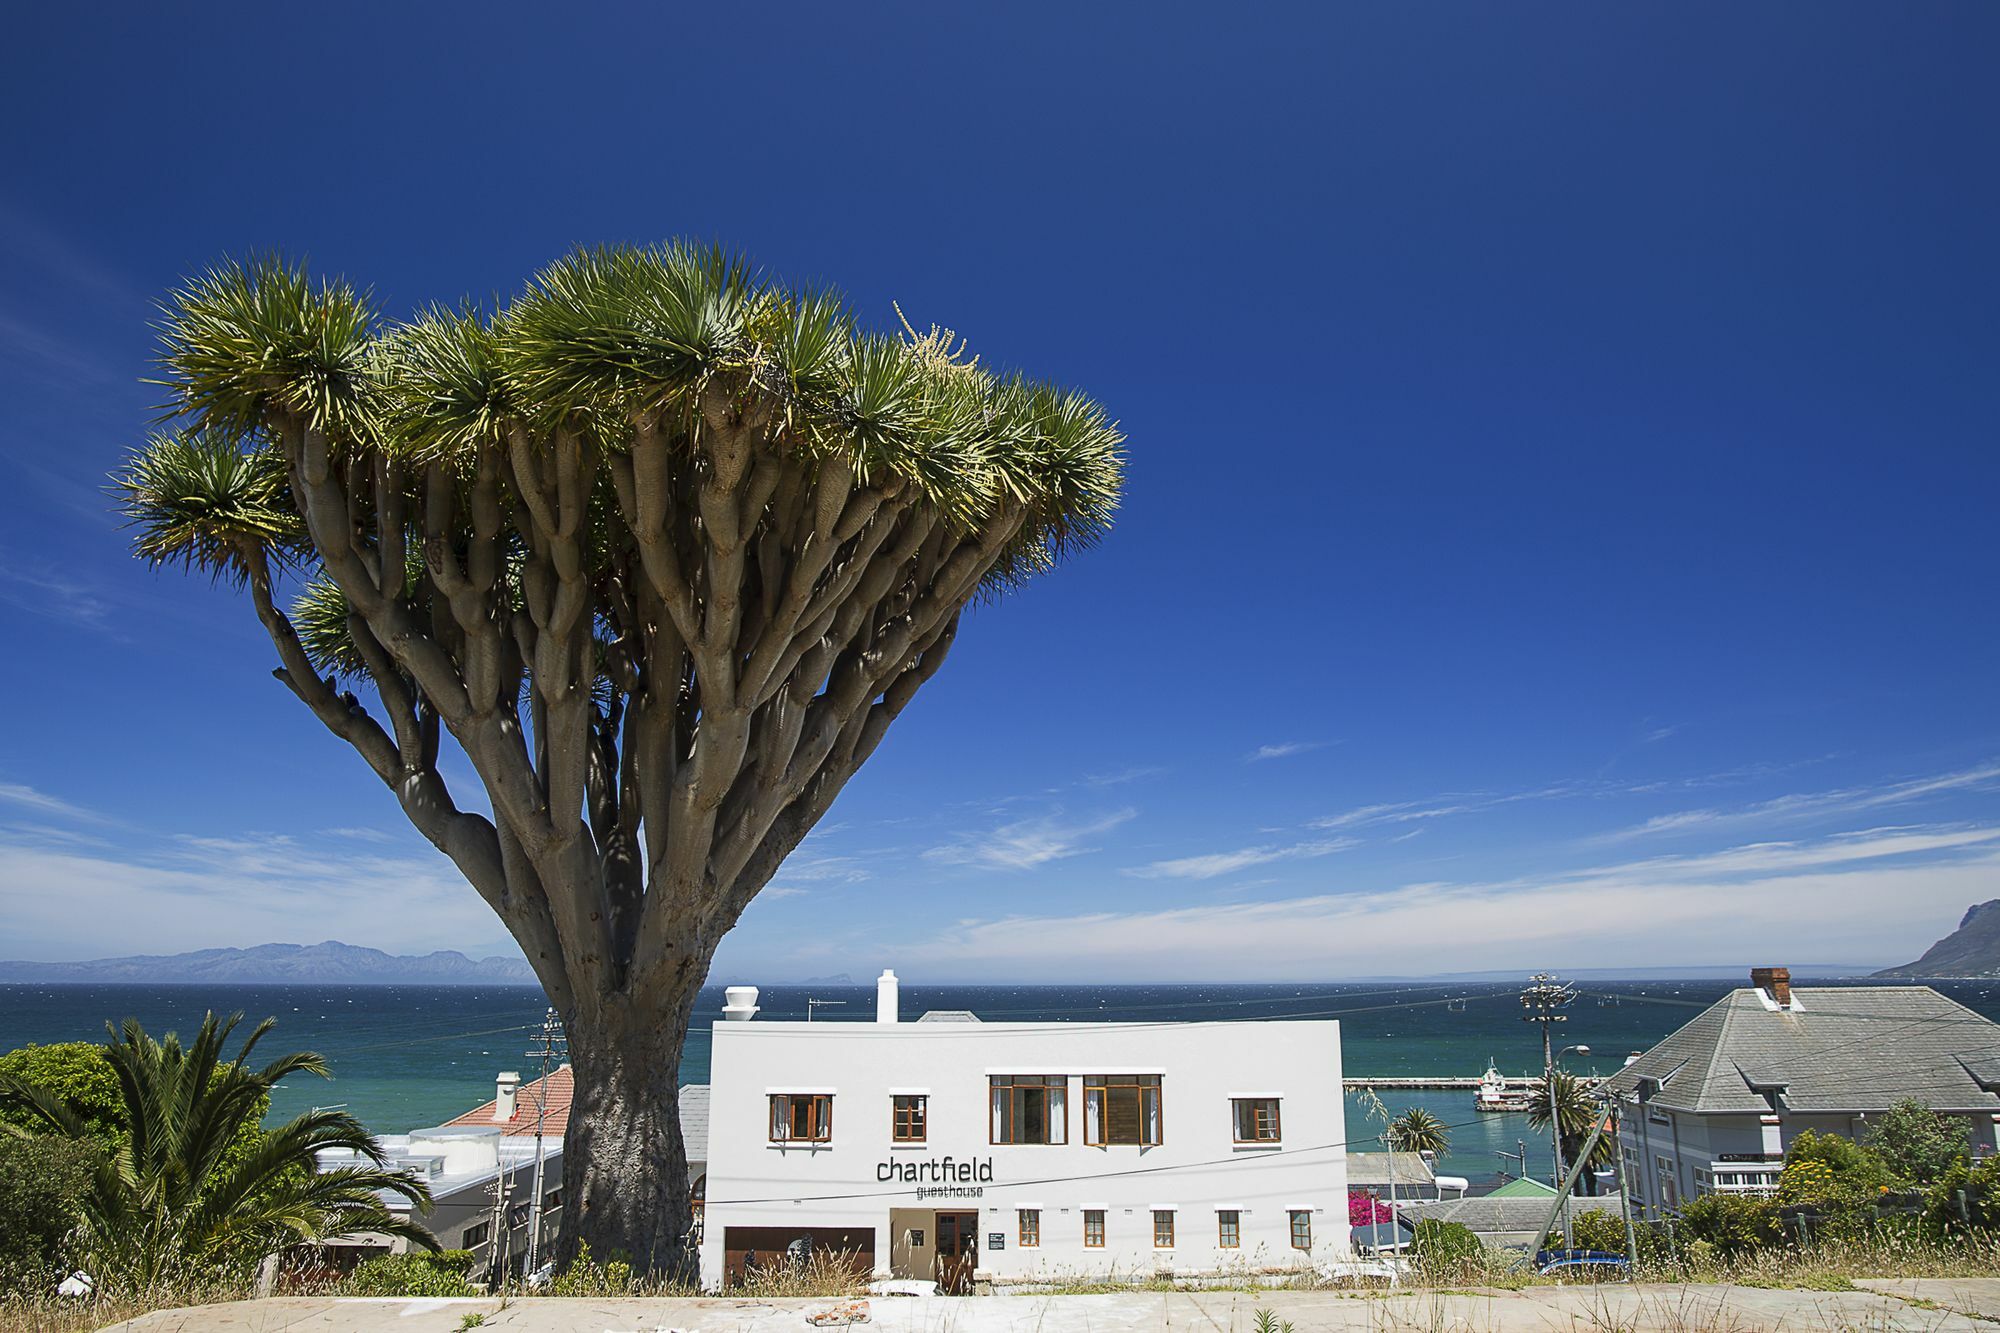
(204, 500)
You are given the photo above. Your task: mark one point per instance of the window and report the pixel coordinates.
(1256, 1119)
(801, 1117)
(1670, 1194)
(1302, 1229)
(1228, 1229)
(1093, 1228)
(1030, 1108)
(552, 1200)
(909, 1115)
(475, 1236)
(1031, 1228)
(1121, 1109)
(1163, 1229)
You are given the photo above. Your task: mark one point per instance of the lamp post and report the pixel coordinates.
(1555, 1133)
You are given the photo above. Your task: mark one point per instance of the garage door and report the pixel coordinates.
(768, 1248)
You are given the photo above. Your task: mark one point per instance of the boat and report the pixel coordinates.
(1496, 1093)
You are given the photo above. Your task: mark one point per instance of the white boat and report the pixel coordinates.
(1495, 1093)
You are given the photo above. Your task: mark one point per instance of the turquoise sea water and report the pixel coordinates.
(404, 1057)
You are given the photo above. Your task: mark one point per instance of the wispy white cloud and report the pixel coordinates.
(49, 592)
(1716, 908)
(1027, 843)
(29, 798)
(1799, 806)
(1282, 750)
(1658, 734)
(1402, 812)
(1216, 864)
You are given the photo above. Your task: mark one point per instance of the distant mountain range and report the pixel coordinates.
(331, 963)
(1973, 950)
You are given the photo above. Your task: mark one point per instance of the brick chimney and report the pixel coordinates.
(1775, 982)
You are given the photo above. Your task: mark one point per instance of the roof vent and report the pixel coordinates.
(740, 1003)
(504, 1089)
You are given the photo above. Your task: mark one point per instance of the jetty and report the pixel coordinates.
(1436, 1084)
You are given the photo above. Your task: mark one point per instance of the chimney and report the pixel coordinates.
(887, 1002)
(1775, 982)
(505, 1087)
(740, 1004)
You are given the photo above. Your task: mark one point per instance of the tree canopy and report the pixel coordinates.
(661, 545)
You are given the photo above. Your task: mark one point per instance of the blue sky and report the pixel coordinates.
(1561, 520)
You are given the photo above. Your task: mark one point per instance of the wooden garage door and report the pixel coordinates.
(771, 1247)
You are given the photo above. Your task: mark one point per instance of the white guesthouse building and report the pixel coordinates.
(957, 1150)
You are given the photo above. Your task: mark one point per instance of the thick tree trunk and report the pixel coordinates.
(625, 1172)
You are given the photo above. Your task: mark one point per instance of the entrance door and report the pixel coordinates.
(957, 1251)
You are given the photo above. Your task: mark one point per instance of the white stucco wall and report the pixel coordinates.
(1195, 1171)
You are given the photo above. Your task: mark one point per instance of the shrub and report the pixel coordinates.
(1443, 1245)
(1964, 1200)
(416, 1274)
(1916, 1144)
(1592, 1229)
(586, 1278)
(43, 1180)
(1732, 1224)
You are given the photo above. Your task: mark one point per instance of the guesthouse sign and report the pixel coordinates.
(939, 1177)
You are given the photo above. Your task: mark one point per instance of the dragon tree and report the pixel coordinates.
(662, 546)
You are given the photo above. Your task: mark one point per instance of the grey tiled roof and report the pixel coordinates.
(1489, 1215)
(1839, 1049)
(1372, 1169)
(694, 1122)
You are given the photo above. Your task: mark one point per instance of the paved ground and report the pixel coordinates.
(1904, 1304)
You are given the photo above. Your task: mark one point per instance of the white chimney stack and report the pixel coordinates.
(505, 1087)
(740, 1003)
(887, 1002)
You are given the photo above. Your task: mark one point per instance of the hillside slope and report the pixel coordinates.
(1973, 950)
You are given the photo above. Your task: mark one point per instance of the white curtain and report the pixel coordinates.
(781, 1118)
(1059, 1113)
(1152, 1097)
(1000, 1096)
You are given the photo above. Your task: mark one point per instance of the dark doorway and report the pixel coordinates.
(957, 1251)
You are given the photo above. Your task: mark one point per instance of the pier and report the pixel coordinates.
(1434, 1084)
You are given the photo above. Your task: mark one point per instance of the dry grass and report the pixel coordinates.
(46, 1312)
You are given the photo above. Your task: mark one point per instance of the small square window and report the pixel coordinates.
(1229, 1229)
(1093, 1228)
(1256, 1119)
(799, 1117)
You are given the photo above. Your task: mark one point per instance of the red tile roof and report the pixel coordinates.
(561, 1088)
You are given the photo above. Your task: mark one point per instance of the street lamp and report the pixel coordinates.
(1555, 1138)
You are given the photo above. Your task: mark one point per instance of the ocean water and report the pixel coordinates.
(404, 1057)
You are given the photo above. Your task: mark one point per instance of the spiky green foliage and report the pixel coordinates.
(175, 1199)
(662, 545)
(1577, 1111)
(1417, 1130)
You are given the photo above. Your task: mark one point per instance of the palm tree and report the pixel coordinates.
(1417, 1130)
(186, 1194)
(1577, 1112)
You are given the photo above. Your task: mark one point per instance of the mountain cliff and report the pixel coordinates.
(1973, 950)
(329, 964)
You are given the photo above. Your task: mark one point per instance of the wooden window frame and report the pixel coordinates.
(485, 1230)
(1301, 1218)
(1236, 1104)
(819, 1117)
(1006, 1132)
(1096, 1228)
(1228, 1228)
(909, 1123)
(1030, 1232)
(1167, 1230)
(1102, 1085)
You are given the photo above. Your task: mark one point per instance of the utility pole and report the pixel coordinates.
(552, 1037)
(1544, 999)
(496, 1272)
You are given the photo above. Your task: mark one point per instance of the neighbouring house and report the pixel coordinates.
(1510, 1217)
(1412, 1174)
(480, 1167)
(953, 1150)
(1714, 1107)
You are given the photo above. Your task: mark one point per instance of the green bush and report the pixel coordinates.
(1443, 1244)
(585, 1278)
(43, 1179)
(1917, 1145)
(1592, 1229)
(1964, 1200)
(443, 1273)
(1732, 1224)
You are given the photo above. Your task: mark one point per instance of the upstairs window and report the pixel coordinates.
(1030, 1108)
(801, 1117)
(1121, 1109)
(908, 1118)
(1256, 1119)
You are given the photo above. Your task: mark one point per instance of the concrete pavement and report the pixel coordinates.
(1932, 1306)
